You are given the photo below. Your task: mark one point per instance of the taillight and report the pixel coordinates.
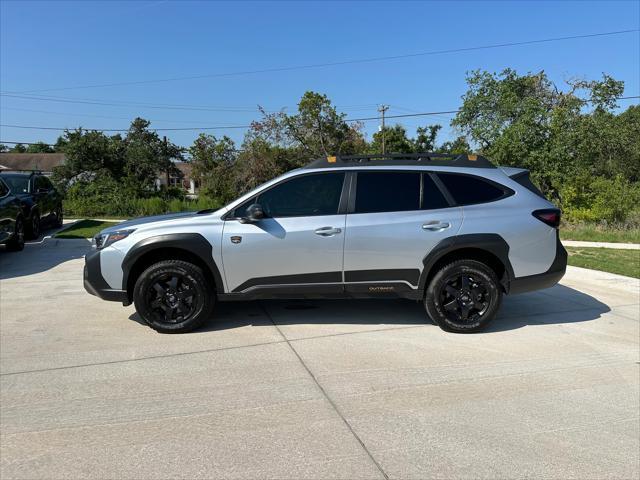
(550, 216)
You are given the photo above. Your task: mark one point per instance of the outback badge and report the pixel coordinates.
(236, 239)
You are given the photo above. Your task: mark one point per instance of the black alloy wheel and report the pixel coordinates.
(174, 296)
(463, 296)
(171, 298)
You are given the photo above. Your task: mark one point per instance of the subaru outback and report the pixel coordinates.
(454, 232)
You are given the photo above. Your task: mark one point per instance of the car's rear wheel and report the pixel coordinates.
(173, 296)
(34, 225)
(17, 240)
(463, 296)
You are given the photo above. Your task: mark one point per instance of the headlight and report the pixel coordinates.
(105, 239)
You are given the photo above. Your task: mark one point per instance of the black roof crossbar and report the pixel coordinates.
(394, 159)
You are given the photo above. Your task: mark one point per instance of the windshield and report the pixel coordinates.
(17, 184)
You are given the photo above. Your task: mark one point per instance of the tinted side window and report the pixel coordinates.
(40, 183)
(432, 197)
(387, 192)
(307, 195)
(46, 183)
(3, 189)
(467, 190)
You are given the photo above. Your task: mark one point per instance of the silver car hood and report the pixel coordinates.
(136, 222)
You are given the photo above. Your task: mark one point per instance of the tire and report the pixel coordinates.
(33, 228)
(58, 216)
(463, 296)
(16, 243)
(160, 299)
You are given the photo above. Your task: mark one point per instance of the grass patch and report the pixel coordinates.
(622, 262)
(599, 233)
(84, 229)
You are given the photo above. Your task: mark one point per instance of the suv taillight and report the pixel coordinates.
(550, 216)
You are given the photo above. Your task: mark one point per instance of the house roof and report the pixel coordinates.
(31, 161)
(185, 168)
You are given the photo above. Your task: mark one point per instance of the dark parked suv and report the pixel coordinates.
(11, 219)
(41, 202)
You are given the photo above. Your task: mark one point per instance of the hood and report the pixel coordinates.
(155, 218)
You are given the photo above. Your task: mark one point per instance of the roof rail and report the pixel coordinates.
(393, 159)
(17, 170)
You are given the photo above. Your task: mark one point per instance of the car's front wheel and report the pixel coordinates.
(463, 296)
(17, 240)
(173, 296)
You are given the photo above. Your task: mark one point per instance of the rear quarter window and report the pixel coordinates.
(470, 190)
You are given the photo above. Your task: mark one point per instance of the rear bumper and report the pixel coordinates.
(96, 285)
(543, 280)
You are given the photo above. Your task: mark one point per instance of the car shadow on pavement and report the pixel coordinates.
(556, 305)
(41, 255)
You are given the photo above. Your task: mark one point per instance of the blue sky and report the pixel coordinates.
(59, 44)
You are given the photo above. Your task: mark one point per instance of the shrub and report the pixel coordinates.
(599, 199)
(104, 197)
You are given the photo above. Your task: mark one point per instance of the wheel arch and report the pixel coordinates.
(190, 247)
(488, 248)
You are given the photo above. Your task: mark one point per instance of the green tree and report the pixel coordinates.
(213, 165)
(319, 130)
(395, 140)
(147, 156)
(528, 121)
(18, 148)
(39, 147)
(90, 154)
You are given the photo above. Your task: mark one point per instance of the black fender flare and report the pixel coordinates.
(194, 243)
(489, 242)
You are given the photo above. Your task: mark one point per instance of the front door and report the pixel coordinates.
(396, 220)
(298, 246)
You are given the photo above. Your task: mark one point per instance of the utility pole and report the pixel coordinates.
(382, 110)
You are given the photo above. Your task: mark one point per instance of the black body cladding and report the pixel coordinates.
(194, 243)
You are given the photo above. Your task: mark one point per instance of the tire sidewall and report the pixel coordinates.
(204, 296)
(474, 268)
(16, 244)
(34, 225)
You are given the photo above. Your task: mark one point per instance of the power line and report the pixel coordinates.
(161, 106)
(117, 103)
(332, 64)
(224, 127)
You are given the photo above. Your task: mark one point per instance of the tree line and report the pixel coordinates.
(582, 150)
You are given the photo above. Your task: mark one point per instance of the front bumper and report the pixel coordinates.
(543, 280)
(96, 285)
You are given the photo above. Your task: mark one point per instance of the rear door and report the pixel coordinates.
(394, 220)
(298, 247)
(44, 193)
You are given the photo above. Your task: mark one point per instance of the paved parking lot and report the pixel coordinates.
(315, 389)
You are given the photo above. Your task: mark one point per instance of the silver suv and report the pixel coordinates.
(452, 231)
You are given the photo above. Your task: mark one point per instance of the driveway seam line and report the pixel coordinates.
(324, 393)
(154, 357)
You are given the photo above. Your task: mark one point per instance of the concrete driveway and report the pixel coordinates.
(315, 389)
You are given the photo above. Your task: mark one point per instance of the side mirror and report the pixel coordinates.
(254, 213)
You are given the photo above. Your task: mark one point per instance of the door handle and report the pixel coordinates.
(435, 226)
(327, 231)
